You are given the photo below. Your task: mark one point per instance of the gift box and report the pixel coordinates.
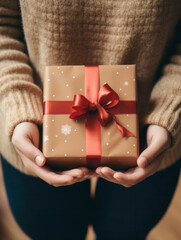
(90, 116)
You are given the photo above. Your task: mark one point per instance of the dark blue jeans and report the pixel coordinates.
(117, 213)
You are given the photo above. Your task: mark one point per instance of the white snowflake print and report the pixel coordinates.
(66, 129)
(45, 138)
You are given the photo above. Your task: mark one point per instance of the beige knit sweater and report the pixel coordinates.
(34, 34)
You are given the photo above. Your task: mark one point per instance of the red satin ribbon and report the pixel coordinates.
(107, 98)
(65, 107)
(98, 106)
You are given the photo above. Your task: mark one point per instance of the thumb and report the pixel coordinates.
(32, 152)
(28, 146)
(155, 147)
(26, 139)
(33, 138)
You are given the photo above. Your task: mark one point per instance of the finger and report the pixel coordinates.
(77, 172)
(51, 177)
(75, 180)
(156, 146)
(108, 179)
(132, 177)
(60, 173)
(136, 175)
(100, 174)
(113, 180)
(48, 180)
(98, 170)
(46, 173)
(107, 172)
(26, 147)
(86, 177)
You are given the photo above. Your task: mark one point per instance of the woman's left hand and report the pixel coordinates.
(158, 140)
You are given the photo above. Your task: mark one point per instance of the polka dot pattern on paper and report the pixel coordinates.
(126, 83)
(45, 138)
(69, 82)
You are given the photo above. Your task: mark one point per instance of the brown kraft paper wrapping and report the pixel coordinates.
(64, 138)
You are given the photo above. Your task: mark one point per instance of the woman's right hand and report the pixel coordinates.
(25, 139)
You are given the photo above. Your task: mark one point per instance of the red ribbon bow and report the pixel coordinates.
(107, 99)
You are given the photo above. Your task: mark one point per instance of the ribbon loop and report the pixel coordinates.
(107, 98)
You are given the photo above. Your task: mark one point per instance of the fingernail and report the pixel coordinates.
(39, 160)
(142, 160)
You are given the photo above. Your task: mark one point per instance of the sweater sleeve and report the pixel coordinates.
(20, 97)
(164, 107)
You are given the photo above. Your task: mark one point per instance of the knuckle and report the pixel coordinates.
(15, 139)
(33, 153)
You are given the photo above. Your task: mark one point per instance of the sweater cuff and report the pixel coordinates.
(22, 106)
(165, 112)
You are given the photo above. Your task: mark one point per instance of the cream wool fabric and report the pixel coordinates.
(34, 34)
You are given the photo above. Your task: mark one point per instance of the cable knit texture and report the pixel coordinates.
(34, 34)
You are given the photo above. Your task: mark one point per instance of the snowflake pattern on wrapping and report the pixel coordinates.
(66, 129)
